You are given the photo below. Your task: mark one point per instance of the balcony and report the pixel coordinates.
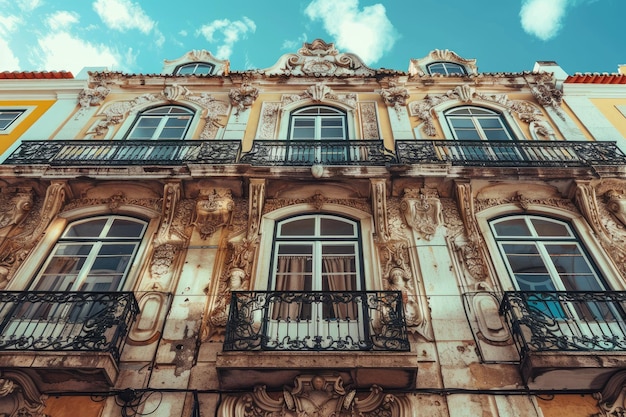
(273, 336)
(71, 340)
(320, 152)
(567, 340)
(96, 153)
(510, 153)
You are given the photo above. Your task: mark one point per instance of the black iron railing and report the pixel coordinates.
(316, 321)
(65, 321)
(117, 152)
(510, 153)
(310, 152)
(566, 321)
(323, 152)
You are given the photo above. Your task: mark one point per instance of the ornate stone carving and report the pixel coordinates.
(214, 209)
(269, 120)
(485, 306)
(369, 121)
(221, 66)
(91, 97)
(319, 92)
(379, 208)
(243, 97)
(255, 209)
(422, 211)
(395, 96)
(612, 398)
(15, 248)
(19, 396)
(320, 59)
(616, 204)
(314, 396)
(423, 109)
(548, 96)
(117, 111)
(398, 277)
(418, 66)
(15, 204)
(315, 201)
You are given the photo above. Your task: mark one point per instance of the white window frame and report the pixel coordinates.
(210, 66)
(318, 119)
(445, 65)
(152, 113)
(474, 118)
(26, 111)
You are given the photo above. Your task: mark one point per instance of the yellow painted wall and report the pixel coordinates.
(568, 405)
(82, 406)
(41, 106)
(608, 108)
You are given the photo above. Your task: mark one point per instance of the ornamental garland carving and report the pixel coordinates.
(379, 208)
(548, 96)
(369, 121)
(321, 395)
(276, 203)
(19, 396)
(395, 97)
(269, 120)
(15, 204)
(612, 398)
(320, 59)
(91, 97)
(424, 109)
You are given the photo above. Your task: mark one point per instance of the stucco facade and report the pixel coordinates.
(316, 238)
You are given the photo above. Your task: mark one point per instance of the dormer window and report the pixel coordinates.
(446, 68)
(197, 68)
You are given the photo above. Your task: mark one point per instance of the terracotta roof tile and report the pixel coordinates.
(596, 78)
(36, 75)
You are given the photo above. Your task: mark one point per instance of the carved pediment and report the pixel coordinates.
(320, 59)
(418, 66)
(221, 66)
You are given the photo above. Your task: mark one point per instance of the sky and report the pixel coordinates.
(135, 36)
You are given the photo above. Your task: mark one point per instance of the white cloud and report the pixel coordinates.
(8, 60)
(367, 32)
(59, 54)
(8, 24)
(123, 15)
(227, 33)
(62, 19)
(28, 5)
(543, 18)
(291, 45)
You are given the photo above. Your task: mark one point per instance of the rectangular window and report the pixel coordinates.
(8, 117)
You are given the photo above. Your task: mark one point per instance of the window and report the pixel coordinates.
(446, 68)
(543, 256)
(7, 117)
(92, 255)
(321, 124)
(316, 267)
(167, 122)
(198, 68)
(475, 123)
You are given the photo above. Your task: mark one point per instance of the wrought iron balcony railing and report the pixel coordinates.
(127, 152)
(316, 321)
(323, 152)
(509, 153)
(566, 321)
(310, 152)
(65, 321)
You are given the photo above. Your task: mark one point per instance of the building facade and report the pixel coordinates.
(316, 238)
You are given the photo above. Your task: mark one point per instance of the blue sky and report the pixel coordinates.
(137, 35)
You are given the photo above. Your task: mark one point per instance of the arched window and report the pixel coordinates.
(198, 68)
(92, 255)
(317, 134)
(446, 68)
(166, 122)
(477, 123)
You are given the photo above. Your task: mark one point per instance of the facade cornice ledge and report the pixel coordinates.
(591, 90)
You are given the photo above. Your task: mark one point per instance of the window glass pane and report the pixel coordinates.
(299, 227)
(7, 117)
(490, 123)
(335, 227)
(512, 227)
(126, 228)
(547, 228)
(92, 228)
(462, 123)
(467, 134)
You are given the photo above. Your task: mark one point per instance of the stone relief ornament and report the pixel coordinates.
(91, 97)
(616, 204)
(369, 121)
(548, 96)
(395, 96)
(612, 398)
(418, 66)
(214, 209)
(320, 59)
(319, 92)
(269, 120)
(424, 109)
(379, 208)
(15, 204)
(243, 97)
(422, 211)
(319, 395)
(14, 249)
(19, 396)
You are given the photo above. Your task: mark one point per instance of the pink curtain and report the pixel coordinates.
(339, 273)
